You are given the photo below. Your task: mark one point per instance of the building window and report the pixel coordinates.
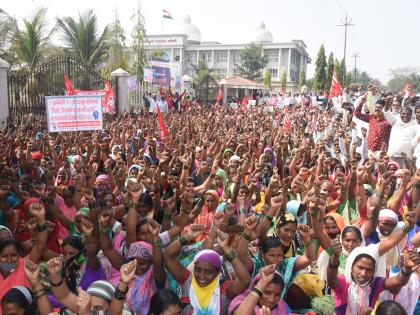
(220, 72)
(237, 57)
(274, 73)
(272, 55)
(190, 57)
(206, 57)
(221, 56)
(236, 71)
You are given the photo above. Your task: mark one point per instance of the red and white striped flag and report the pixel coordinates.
(335, 86)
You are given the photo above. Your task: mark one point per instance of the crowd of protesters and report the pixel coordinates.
(308, 207)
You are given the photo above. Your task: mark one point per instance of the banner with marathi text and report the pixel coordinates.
(74, 113)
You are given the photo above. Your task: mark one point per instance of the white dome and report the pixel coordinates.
(262, 35)
(190, 30)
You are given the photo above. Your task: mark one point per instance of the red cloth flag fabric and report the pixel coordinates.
(406, 91)
(163, 129)
(287, 124)
(244, 103)
(250, 97)
(219, 94)
(68, 86)
(311, 103)
(335, 86)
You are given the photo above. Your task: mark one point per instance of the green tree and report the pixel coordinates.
(320, 70)
(31, 42)
(343, 72)
(138, 35)
(203, 79)
(267, 79)
(253, 61)
(302, 79)
(7, 29)
(118, 53)
(397, 82)
(330, 69)
(283, 81)
(82, 39)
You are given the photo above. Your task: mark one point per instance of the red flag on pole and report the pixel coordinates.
(219, 94)
(163, 129)
(311, 103)
(406, 91)
(335, 86)
(286, 120)
(244, 103)
(250, 97)
(68, 86)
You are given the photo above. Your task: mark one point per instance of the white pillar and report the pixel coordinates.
(212, 59)
(228, 64)
(4, 102)
(122, 77)
(289, 61)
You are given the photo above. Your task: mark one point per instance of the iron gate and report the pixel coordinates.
(26, 92)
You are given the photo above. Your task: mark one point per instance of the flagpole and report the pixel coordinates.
(162, 20)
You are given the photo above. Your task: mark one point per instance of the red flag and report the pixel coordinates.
(250, 97)
(311, 103)
(335, 86)
(286, 120)
(68, 86)
(219, 94)
(163, 129)
(244, 103)
(406, 91)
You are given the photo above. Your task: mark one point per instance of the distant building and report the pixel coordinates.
(187, 48)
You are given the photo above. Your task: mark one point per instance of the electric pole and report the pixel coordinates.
(355, 56)
(346, 23)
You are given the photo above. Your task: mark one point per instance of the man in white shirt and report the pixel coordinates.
(402, 133)
(163, 105)
(416, 140)
(152, 101)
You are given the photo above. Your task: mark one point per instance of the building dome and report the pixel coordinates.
(190, 30)
(262, 35)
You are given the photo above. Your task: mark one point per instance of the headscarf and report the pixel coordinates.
(143, 287)
(358, 295)
(102, 179)
(285, 218)
(392, 255)
(280, 309)
(21, 293)
(102, 289)
(324, 257)
(228, 150)
(234, 158)
(273, 160)
(206, 300)
(222, 174)
(134, 166)
(2, 227)
(214, 194)
(338, 219)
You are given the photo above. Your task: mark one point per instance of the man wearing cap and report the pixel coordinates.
(379, 127)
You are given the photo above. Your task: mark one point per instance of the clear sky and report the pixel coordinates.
(386, 32)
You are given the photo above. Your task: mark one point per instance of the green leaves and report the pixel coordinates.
(253, 61)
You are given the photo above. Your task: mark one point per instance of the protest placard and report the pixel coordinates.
(73, 113)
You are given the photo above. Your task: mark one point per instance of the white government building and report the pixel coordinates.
(187, 48)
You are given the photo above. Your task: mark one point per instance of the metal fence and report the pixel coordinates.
(26, 92)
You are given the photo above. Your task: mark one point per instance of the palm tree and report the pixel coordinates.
(7, 27)
(31, 43)
(82, 38)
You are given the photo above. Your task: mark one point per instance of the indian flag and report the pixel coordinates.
(167, 15)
